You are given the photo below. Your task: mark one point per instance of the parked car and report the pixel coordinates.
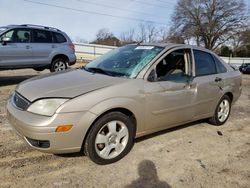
(34, 46)
(129, 92)
(245, 68)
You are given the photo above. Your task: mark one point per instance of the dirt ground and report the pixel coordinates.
(193, 155)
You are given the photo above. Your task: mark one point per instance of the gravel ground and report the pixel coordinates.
(193, 155)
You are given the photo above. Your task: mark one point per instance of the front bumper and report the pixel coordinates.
(39, 131)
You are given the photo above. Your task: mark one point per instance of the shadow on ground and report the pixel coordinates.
(167, 130)
(13, 80)
(148, 177)
(140, 139)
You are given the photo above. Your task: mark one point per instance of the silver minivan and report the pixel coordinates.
(34, 46)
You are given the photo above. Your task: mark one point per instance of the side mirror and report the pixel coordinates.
(5, 40)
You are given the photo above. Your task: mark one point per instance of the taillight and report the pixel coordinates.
(72, 46)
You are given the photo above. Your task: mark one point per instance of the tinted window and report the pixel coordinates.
(220, 66)
(204, 63)
(42, 36)
(59, 38)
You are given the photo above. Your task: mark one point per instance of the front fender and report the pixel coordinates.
(130, 104)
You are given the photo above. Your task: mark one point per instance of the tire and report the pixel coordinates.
(110, 138)
(58, 65)
(222, 111)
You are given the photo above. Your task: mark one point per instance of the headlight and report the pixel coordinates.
(46, 107)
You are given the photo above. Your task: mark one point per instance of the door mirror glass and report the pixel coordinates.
(5, 40)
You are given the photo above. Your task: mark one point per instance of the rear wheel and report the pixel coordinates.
(110, 138)
(222, 111)
(58, 65)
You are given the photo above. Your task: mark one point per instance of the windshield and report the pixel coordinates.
(125, 61)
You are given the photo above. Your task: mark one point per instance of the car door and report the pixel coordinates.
(17, 52)
(42, 46)
(169, 97)
(209, 84)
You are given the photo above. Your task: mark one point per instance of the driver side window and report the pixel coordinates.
(174, 66)
(17, 35)
(8, 34)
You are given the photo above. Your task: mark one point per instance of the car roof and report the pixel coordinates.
(33, 27)
(173, 45)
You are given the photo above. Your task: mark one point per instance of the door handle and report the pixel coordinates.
(27, 47)
(217, 79)
(53, 46)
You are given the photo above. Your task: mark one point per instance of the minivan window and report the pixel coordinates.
(59, 38)
(8, 34)
(42, 36)
(17, 35)
(204, 63)
(21, 35)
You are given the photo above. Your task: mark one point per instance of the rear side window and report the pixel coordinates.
(42, 36)
(22, 35)
(59, 38)
(204, 63)
(219, 65)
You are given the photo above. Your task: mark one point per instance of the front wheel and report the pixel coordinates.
(110, 138)
(222, 111)
(58, 65)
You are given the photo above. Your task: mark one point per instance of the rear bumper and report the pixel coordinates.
(39, 131)
(72, 59)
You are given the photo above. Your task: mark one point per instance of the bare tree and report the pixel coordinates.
(105, 37)
(208, 22)
(151, 32)
(80, 40)
(128, 36)
(141, 37)
(147, 32)
(104, 33)
(243, 48)
(163, 34)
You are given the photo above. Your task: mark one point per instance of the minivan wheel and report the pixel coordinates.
(110, 138)
(58, 65)
(222, 111)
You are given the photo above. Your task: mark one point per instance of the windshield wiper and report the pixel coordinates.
(97, 70)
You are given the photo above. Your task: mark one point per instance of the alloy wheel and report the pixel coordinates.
(111, 140)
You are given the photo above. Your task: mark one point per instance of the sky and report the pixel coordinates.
(83, 18)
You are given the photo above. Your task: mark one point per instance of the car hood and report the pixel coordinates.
(68, 84)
